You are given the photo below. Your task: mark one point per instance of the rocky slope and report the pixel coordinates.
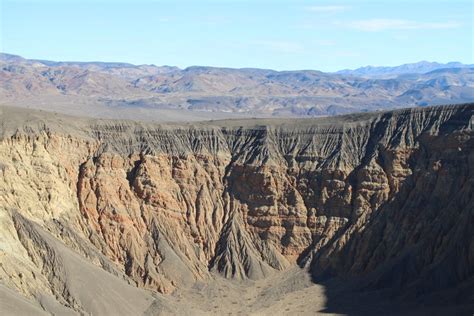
(383, 201)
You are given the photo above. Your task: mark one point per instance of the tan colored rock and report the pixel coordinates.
(162, 207)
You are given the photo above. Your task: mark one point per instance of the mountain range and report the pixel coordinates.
(149, 92)
(421, 67)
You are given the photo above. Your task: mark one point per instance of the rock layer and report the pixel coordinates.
(383, 198)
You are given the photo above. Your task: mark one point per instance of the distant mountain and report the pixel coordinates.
(105, 89)
(117, 68)
(390, 72)
(11, 58)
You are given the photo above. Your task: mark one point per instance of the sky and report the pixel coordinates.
(282, 35)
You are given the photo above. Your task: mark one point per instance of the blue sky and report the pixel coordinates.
(323, 35)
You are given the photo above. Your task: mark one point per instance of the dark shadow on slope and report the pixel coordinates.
(344, 297)
(415, 254)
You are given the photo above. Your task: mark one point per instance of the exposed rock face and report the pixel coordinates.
(387, 197)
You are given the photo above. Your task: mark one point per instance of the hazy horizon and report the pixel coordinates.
(280, 35)
(190, 66)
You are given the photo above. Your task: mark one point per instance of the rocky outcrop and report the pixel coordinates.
(418, 236)
(384, 198)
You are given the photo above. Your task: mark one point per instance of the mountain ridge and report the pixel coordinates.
(400, 69)
(420, 67)
(148, 92)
